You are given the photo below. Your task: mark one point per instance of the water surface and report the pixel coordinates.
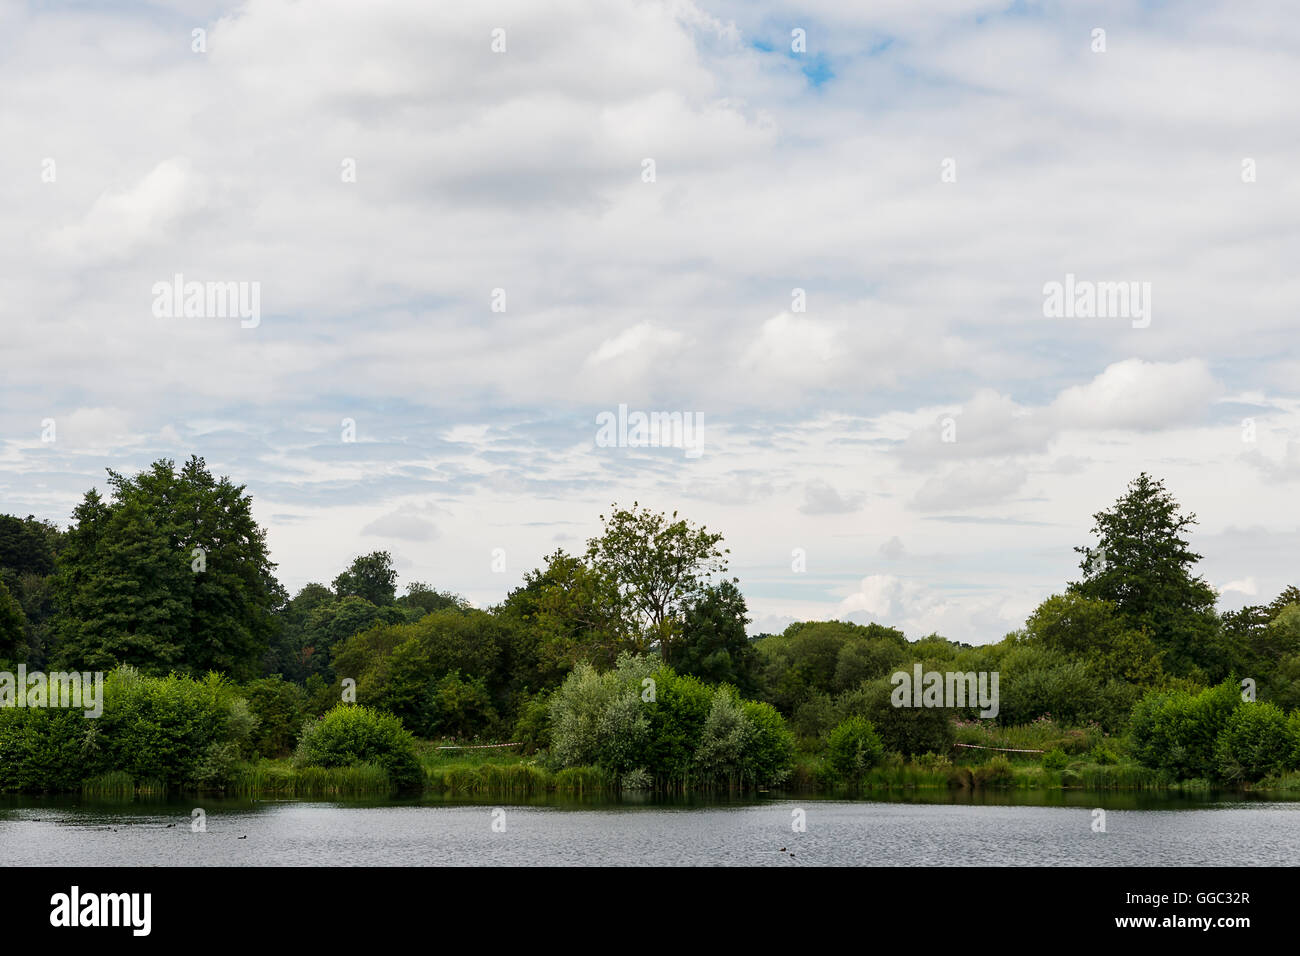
(916, 829)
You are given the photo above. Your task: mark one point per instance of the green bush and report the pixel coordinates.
(724, 740)
(909, 730)
(769, 754)
(1177, 732)
(1103, 755)
(46, 750)
(852, 748)
(280, 708)
(1055, 759)
(675, 727)
(1255, 743)
(533, 728)
(171, 729)
(351, 734)
(996, 773)
(174, 731)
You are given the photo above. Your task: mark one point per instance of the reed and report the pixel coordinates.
(582, 780)
(120, 785)
(269, 778)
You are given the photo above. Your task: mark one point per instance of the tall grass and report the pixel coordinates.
(280, 779)
(120, 785)
(517, 779)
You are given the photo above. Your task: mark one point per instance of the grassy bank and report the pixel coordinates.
(506, 773)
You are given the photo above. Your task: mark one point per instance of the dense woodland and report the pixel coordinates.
(631, 658)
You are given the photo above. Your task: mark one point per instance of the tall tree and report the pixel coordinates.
(575, 611)
(658, 563)
(173, 573)
(13, 636)
(1143, 564)
(713, 644)
(370, 576)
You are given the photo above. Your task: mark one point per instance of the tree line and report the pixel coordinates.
(170, 575)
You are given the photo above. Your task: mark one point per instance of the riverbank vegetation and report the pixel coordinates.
(626, 667)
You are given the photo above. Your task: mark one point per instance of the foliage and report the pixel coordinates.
(713, 645)
(907, 730)
(173, 573)
(353, 734)
(641, 715)
(825, 657)
(1177, 732)
(280, 708)
(852, 748)
(370, 577)
(657, 563)
(1143, 565)
(1255, 743)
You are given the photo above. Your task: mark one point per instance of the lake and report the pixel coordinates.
(920, 828)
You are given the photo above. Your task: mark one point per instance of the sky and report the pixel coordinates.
(823, 233)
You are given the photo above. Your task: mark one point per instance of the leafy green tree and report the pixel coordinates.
(285, 656)
(172, 574)
(657, 563)
(28, 550)
(424, 599)
(1091, 630)
(853, 748)
(908, 730)
(460, 708)
(724, 738)
(1143, 564)
(329, 625)
(13, 637)
(280, 708)
(713, 644)
(576, 612)
(370, 577)
(28, 545)
(398, 667)
(821, 657)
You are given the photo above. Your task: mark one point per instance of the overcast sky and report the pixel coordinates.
(932, 441)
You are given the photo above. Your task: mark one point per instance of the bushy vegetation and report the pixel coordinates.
(643, 718)
(1127, 674)
(350, 735)
(1213, 735)
(853, 748)
(174, 731)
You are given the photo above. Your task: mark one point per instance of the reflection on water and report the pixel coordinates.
(912, 828)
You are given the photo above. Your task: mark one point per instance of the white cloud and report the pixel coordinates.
(821, 499)
(1135, 394)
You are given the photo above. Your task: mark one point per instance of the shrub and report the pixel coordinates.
(1103, 755)
(724, 739)
(684, 730)
(280, 708)
(175, 731)
(852, 747)
(1255, 743)
(769, 753)
(351, 734)
(908, 730)
(1177, 733)
(533, 728)
(46, 750)
(1055, 759)
(996, 773)
(165, 728)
